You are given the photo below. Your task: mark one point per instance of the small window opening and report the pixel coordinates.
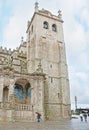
(45, 25)
(58, 95)
(50, 66)
(54, 28)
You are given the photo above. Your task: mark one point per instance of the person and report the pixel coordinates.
(38, 117)
(88, 114)
(81, 116)
(85, 116)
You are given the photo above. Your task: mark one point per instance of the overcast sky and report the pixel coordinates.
(75, 13)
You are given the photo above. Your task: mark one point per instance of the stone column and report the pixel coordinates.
(35, 97)
(39, 95)
(12, 99)
(32, 98)
(11, 91)
(64, 83)
(1, 88)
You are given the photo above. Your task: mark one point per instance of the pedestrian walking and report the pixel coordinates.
(38, 117)
(81, 116)
(85, 116)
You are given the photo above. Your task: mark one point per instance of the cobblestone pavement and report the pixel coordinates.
(74, 124)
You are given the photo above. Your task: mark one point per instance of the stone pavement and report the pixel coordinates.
(73, 124)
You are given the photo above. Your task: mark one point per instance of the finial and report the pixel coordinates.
(59, 13)
(36, 6)
(22, 39)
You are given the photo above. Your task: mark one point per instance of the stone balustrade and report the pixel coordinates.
(18, 107)
(23, 107)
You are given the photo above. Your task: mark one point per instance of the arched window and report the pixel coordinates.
(28, 90)
(5, 94)
(45, 25)
(18, 91)
(54, 27)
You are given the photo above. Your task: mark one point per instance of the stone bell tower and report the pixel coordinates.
(45, 46)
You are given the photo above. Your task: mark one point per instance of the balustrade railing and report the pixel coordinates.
(23, 107)
(18, 107)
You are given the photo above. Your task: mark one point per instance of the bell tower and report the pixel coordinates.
(45, 46)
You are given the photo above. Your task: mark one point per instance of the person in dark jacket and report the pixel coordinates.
(38, 116)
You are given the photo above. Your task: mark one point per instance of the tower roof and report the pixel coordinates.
(45, 13)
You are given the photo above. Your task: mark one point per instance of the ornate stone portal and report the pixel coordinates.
(22, 94)
(34, 78)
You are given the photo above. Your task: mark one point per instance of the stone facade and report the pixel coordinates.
(34, 76)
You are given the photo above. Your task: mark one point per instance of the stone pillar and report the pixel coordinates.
(38, 95)
(64, 83)
(1, 88)
(32, 98)
(41, 96)
(35, 97)
(11, 91)
(12, 100)
(12, 82)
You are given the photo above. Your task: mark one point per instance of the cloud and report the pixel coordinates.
(16, 26)
(12, 33)
(79, 84)
(76, 32)
(82, 76)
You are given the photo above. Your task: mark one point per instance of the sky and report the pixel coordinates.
(75, 14)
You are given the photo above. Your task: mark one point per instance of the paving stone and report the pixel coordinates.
(74, 124)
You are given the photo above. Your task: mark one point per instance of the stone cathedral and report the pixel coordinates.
(34, 76)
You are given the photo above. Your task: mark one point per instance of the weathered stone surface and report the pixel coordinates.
(34, 77)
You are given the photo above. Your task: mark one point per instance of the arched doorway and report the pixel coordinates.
(22, 94)
(22, 91)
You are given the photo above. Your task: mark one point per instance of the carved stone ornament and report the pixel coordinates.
(8, 71)
(6, 81)
(42, 39)
(39, 69)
